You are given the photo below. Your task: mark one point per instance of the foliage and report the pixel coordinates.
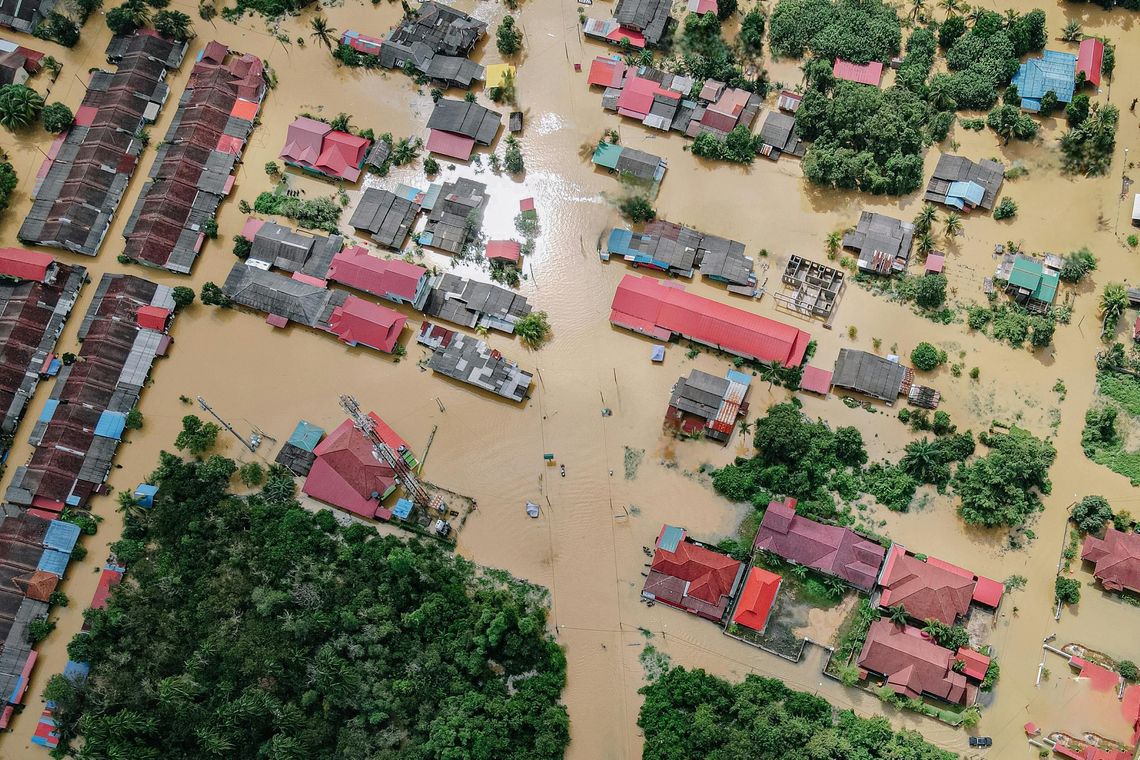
(691, 714)
(8, 182)
(864, 138)
(1087, 148)
(39, 629)
(637, 208)
(854, 632)
(856, 31)
(1009, 122)
(739, 145)
(890, 485)
(1099, 430)
(58, 28)
(196, 436)
(993, 672)
(56, 117)
(314, 213)
(1006, 209)
(1077, 110)
(1113, 302)
(507, 38)
(183, 296)
(20, 106)
(243, 246)
(431, 166)
(1067, 590)
(324, 35)
(986, 57)
(927, 357)
(533, 329)
(950, 636)
(751, 36)
(174, 25)
(128, 17)
(928, 460)
(951, 31)
(930, 291)
(513, 158)
(1077, 264)
(1091, 514)
(1128, 671)
(251, 474)
(134, 419)
(292, 637)
(1001, 488)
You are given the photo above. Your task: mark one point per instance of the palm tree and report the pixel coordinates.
(322, 32)
(938, 93)
(744, 425)
(975, 14)
(645, 58)
(925, 219)
(925, 244)
(835, 586)
(834, 239)
(916, 9)
(898, 615)
(1072, 31)
(1011, 17)
(1113, 302)
(20, 106)
(922, 460)
(953, 225)
(800, 571)
(950, 6)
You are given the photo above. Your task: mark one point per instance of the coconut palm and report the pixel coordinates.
(952, 227)
(322, 32)
(744, 425)
(897, 615)
(834, 239)
(950, 6)
(925, 244)
(1011, 17)
(938, 94)
(174, 25)
(922, 461)
(645, 58)
(975, 14)
(1113, 302)
(834, 586)
(1072, 31)
(916, 8)
(925, 219)
(800, 571)
(20, 106)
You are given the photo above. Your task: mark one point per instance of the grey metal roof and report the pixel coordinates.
(468, 302)
(868, 374)
(724, 259)
(474, 362)
(274, 293)
(881, 238)
(458, 202)
(468, 119)
(700, 393)
(779, 131)
(988, 174)
(25, 15)
(444, 30)
(387, 216)
(638, 163)
(455, 71)
(650, 17)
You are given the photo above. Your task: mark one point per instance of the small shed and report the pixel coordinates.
(403, 509)
(934, 263)
(816, 380)
(509, 251)
(515, 121)
(306, 435)
(153, 317)
(144, 494)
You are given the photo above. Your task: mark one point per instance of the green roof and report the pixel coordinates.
(1047, 289)
(607, 155)
(1026, 273)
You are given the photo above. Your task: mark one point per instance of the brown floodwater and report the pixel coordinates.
(586, 546)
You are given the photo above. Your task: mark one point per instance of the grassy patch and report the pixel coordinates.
(1121, 388)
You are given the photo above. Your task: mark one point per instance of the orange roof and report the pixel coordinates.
(244, 109)
(756, 599)
(41, 584)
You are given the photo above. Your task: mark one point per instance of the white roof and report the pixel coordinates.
(1136, 207)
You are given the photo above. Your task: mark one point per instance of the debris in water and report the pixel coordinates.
(633, 459)
(531, 509)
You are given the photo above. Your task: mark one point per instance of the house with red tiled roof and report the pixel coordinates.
(315, 147)
(347, 475)
(912, 665)
(607, 71)
(689, 576)
(924, 590)
(756, 599)
(393, 279)
(1116, 559)
(506, 251)
(357, 321)
(833, 550)
(973, 664)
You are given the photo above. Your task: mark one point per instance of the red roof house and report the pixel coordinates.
(1089, 59)
(394, 279)
(152, 317)
(107, 581)
(828, 548)
(756, 599)
(346, 474)
(976, 663)
(924, 590)
(661, 310)
(1116, 558)
(912, 664)
(816, 380)
(504, 250)
(25, 265)
(693, 578)
(450, 144)
(606, 71)
(316, 147)
(359, 321)
(866, 73)
(637, 96)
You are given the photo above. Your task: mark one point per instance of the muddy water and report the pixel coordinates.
(586, 547)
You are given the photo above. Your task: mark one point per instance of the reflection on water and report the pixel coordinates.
(586, 546)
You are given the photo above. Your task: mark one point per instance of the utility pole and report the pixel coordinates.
(249, 445)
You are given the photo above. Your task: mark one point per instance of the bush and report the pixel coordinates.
(507, 38)
(315, 213)
(134, 419)
(637, 209)
(930, 291)
(1006, 209)
(8, 182)
(533, 329)
(1067, 590)
(1001, 488)
(927, 357)
(1088, 148)
(1091, 514)
(39, 629)
(751, 36)
(57, 117)
(859, 32)
(513, 159)
(1077, 264)
(1128, 671)
(212, 295)
(1009, 122)
(58, 28)
(183, 296)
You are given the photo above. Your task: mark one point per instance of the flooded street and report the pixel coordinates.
(587, 545)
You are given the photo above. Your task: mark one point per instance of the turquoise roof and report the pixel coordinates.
(306, 435)
(671, 536)
(607, 155)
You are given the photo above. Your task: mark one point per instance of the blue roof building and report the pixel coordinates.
(54, 562)
(111, 425)
(963, 194)
(1054, 71)
(144, 494)
(402, 509)
(306, 436)
(61, 536)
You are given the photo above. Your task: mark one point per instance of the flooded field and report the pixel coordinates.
(587, 545)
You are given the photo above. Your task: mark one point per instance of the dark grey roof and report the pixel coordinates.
(649, 17)
(24, 15)
(448, 224)
(455, 71)
(868, 374)
(467, 302)
(989, 174)
(274, 293)
(386, 215)
(284, 248)
(467, 119)
(700, 393)
(883, 242)
(443, 29)
(474, 362)
(779, 131)
(379, 154)
(724, 259)
(638, 163)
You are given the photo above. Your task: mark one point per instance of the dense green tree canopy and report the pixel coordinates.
(1001, 488)
(855, 30)
(690, 714)
(252, 628)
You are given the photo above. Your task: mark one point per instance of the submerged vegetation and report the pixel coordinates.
(292, 637)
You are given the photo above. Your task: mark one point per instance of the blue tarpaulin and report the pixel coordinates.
(49, 409)
(144, 494)
(76, 671)
(61, 536)
(402, 509)
(671, 536)
(306, 435)
(738, 377)
(54, 562)
(111, 425)
(53, 368)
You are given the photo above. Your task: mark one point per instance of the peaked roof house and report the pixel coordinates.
(82, 180)
(630, 162)
(454, 214)
(1090, 57)
(963, 184)
(387, 216)
(457, 125)
(778, 136)
(925, 591)
(678, 249)
(610, 31)
(756, 599)
(360, 322)
(882, 242)
(871, 375)
(347, 474)
(472, 361)
(1116, 559)
(1053, 71)
(661, 310)
(317, 148)
(192, 172)
(707, 403)
(687, 575)
(25, 15)
(1030, 281)
(650, 17)
(833, 550)
(912, 665)
(469, 303)
(279, 247)
(435, 38)
(860, 73)
(393, 279)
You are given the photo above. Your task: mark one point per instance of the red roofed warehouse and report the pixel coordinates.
(1116, 558)
(394, 279)
(348, 475)
(867, 73)
(756, 599)
(662, 311)
(316, 147)
(20, 264)
(912, 665)
(686, 575)
(828, 548)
